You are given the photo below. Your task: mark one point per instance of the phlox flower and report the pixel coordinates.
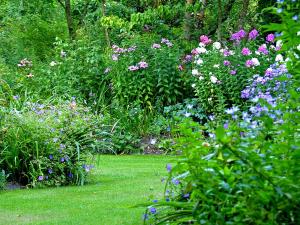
(263, 49)
(226, 63)
(195, 72)
(143, 65)
(156, 46)
(201, 50)
(270, 38)
(199, 61)
(217, 45)
(205, 40)
(246, 51)
(214, 79)
(255, 61)
(279, 58)
(133, 68)
(249, 63)
(253, 34)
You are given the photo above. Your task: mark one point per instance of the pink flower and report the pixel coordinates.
(253, 34)
(249, 63)
(204, 39)
(238, 35)
(195, 51)
(270, 38)
(246, 51)
(133, 68)
(156, 45)
(263, 49)
(226, 52)
(143, 65)
(180, 67)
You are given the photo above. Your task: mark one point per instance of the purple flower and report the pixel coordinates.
(175, 181)
(245, 93)
(155, 200)
(246, 51)
(50, 171)
(70, 175)
(226, 63)
(62, 159)
(270, 38)
(152, 210)
(253, 34)
(186, 195)
(16, 97)
(133, 68)
(40, 178)
(169, 167)
(238, 35)
(233, 72)
(263, 49)
(226, 125)
(156, 46)
(51, 157)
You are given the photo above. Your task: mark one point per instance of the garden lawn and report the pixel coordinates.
(117, 183)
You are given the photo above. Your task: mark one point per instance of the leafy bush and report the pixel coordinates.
(46, 145)
(221, 73)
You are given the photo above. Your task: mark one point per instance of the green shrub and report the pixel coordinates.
(46, 145)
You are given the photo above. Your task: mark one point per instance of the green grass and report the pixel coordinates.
(118, 182)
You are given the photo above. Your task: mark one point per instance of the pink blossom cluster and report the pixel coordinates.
(140, 65)
(205, 40)
(167, 42)
(119, 50)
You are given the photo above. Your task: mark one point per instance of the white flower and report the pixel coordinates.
(298, 47)
(201, 45)
(298, 33)
(193, 85)
(199, 61)
(201, 50)
(187, 114)
(255, 61)
(195, 72)
(213, 79)
(257, 52)
(216, 65)
(279, 43)
(231, 52)
(153, 141)
(217, 45)
(201, 78)
(287, 59)
(53, 63)
(189, 106)
(279, 58)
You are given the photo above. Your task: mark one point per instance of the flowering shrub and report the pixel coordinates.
(146, 74)
(250, 163)
(46, 145)
(221, 72)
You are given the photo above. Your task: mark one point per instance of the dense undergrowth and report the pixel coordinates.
(161, 77)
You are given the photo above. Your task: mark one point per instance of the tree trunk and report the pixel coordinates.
(219, 29)
(188, 20)
(243, 14)
(69, 18)
(106, 34)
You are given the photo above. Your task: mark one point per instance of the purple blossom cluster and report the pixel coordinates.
(140, 65)
(118, 51)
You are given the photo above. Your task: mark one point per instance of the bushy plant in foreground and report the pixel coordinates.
(247, 172)
(221, 71)
(46, 145)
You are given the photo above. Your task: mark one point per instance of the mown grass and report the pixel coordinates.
(118, 182)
